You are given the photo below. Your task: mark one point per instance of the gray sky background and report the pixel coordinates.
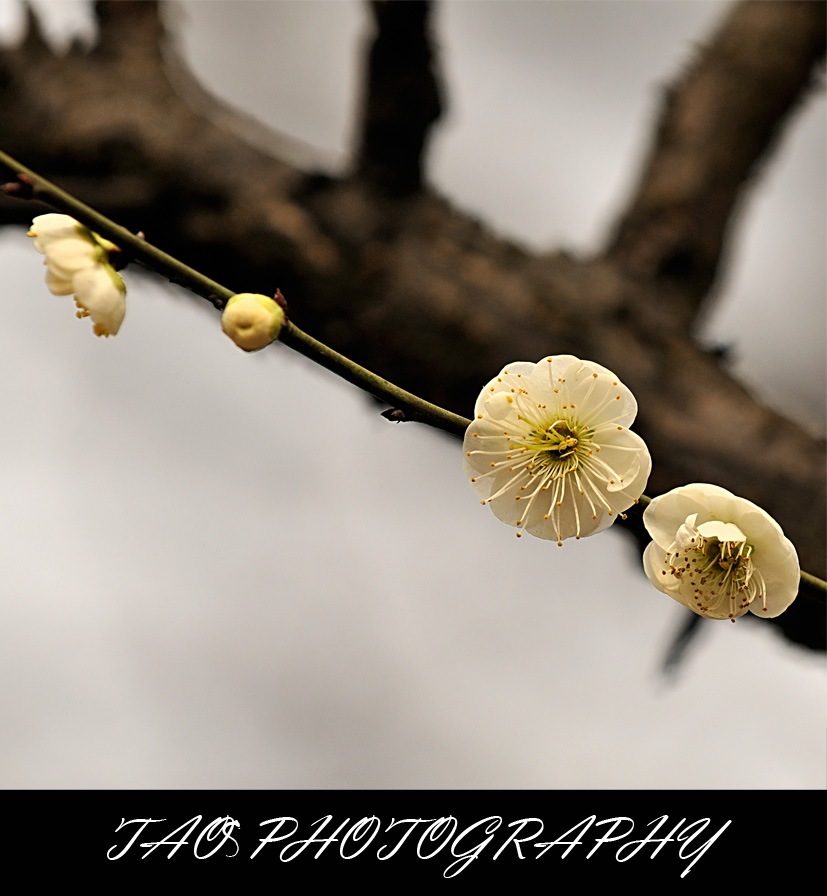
(224, 570)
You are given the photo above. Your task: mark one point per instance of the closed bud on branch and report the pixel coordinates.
(252, 320)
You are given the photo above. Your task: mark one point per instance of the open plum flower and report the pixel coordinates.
(718, 554)
(77, 262)
(550, 451)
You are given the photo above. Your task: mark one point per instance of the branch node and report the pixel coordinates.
(22, 188)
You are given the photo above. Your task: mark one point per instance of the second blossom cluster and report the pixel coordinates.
(551, 452)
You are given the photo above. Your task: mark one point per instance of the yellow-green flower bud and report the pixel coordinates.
(252, 320)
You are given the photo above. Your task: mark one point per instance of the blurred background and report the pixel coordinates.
(223, 570)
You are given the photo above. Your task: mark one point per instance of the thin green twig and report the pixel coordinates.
(814, 582)
(133, 246)
(414, 407)
(138, 249)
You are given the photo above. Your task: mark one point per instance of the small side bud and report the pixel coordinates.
(22, 188)
(252, 320)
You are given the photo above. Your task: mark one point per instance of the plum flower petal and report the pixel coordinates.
(252, 320)
(100, 294)
(77, 262)
(68, 246)
(718, 554)
(52, 227)
(67, 257)
(550, 451)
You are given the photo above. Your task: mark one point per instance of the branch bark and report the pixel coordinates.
(718, 123)
(391, 275)
(402, 98)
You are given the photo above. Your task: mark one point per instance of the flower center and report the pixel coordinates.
(549, 462)
(560, 445)
(721, 573)
(562, 439)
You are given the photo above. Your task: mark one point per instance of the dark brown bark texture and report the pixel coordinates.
(383, 269)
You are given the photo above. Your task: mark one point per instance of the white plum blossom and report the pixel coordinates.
(550, 451)
(252, 320)
(718, 554)
(77, 262)
(100, 294)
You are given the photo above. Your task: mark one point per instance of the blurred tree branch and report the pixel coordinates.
(378, 266)
(718, 123)
(401, 97)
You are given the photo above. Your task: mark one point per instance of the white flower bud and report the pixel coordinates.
(252, 320)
